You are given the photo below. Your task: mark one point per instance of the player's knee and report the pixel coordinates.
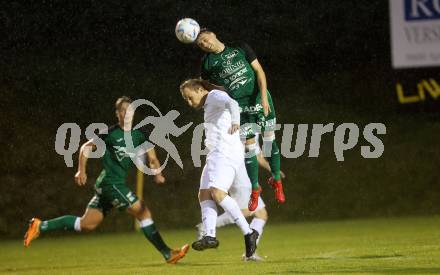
(250, 149)
(217, 194)
(246, 212)
(204, 195)
(145, 213)
(261, 214)
(250, 141)
(269, 135)
(140, 211)
(87, 227)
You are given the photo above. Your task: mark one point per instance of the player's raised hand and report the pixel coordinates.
(80, 178)
(159, 179)
(234, 128)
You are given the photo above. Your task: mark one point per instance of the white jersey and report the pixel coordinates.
(220, 112)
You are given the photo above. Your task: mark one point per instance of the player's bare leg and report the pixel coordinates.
(91, 219)
(88, 222)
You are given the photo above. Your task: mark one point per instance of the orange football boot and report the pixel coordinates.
(177, 254)
(33, 231)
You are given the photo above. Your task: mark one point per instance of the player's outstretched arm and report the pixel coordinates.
(262, 84)
(154, 163)
(81, 174)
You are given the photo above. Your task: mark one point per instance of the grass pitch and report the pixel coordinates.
(373, 246)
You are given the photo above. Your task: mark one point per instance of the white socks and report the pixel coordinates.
(224, 219)
(258, 225)
(145, 223)
(231, 207)
(209, 216)
(77, 225)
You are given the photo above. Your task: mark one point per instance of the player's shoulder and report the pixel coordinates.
(216, 92)
(206, 61)
(106, 132)
(205, 57)
(143, 131)
(112, 128)
(217, 95)
(245, 49)
(239, 44)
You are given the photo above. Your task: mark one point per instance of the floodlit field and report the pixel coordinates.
(374, 246)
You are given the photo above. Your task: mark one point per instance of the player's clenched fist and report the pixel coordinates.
(159, 179)
(234, 128)
(80, 178)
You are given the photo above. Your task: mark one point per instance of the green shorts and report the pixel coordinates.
(112, 196)
(252, 119)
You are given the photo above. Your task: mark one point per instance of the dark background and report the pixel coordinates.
(326, 61)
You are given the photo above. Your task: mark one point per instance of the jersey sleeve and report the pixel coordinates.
(248, 51)
(223, 100)
(104, 134)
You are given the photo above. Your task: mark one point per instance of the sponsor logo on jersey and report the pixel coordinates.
(232, 69)
(237, 83)
(121, 153)
(251, 109)
(230, 55)
(227, 63)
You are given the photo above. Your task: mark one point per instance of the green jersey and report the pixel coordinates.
(232, 69)
(117, 157)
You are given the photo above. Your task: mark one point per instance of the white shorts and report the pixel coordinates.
(241, 191)
(221, 173)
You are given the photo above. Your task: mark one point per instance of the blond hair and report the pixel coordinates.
(195, 83)
(122, 100)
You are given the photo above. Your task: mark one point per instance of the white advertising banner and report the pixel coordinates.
(415, 33)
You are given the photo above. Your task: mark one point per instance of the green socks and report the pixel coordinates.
(64, 223)
(154, 237)
(271, 152)
(274, 160)
(252, 165)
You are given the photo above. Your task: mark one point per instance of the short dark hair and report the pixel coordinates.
(204, 30)
(121, 100)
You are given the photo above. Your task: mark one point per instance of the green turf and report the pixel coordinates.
(374, 246)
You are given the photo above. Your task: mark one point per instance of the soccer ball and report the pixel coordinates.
(187, 30)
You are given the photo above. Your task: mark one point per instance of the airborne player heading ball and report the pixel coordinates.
(238, 70)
